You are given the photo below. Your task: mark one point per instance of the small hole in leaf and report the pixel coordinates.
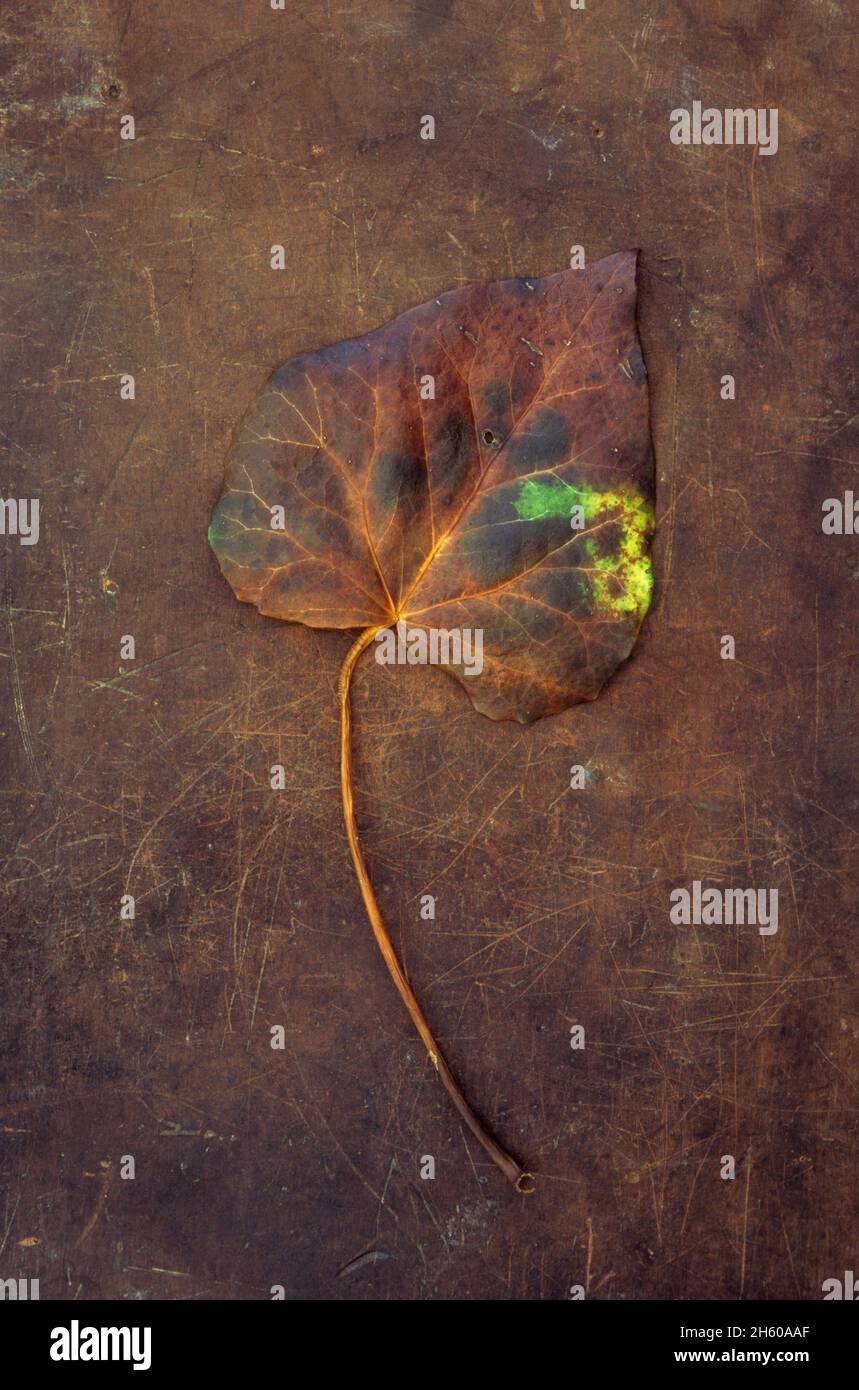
(488, 437)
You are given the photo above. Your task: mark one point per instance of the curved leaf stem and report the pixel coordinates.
(508, 1165)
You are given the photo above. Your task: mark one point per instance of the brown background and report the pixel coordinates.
(257, 1167)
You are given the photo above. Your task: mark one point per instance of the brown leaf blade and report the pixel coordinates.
(483, 461)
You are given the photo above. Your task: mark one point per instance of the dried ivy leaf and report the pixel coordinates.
(455, 511)
(481, 462)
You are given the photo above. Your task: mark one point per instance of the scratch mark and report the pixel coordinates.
(153, 303)
(372, 1257)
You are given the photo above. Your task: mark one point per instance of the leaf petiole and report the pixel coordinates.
(512, 1170)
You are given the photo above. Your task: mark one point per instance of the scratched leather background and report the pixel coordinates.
(150, 256)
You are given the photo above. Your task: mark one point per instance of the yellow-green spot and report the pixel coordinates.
(622, 581)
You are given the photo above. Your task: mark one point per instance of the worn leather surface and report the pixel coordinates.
(151, 1038)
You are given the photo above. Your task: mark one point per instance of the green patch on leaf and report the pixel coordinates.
(622, 578)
